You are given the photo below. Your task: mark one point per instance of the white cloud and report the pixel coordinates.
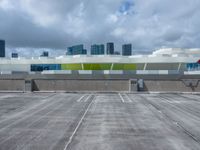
(112, 18)
(75, 23)
(6, 5)
(41, 12)
(147, 24)
(119, 32)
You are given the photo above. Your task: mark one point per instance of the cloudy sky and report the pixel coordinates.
(29, 26)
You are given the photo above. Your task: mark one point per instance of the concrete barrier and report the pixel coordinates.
(169, 86)
(50, 83)
(81, 85)
(12, 85)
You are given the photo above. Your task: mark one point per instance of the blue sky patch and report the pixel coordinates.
(126, 6)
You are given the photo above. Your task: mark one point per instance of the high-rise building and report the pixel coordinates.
(84, 52)
(97, 49)
(127, 50)
(76, 50)
(116, 53)
(69, 51)
(2, 48)
(110, 48)
(45, 54)
(14, 55)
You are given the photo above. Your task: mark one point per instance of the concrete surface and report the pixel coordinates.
(112, 121)
(81, 85)
(115, 85)
(173, 86)
(11, 85)
(98, 76)
(105, 85)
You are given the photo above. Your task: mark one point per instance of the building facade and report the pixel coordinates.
(126, 50)
(97, 49)
(2, 48)
(116, 53)
(14, 55)
(110, 49)
(84, 52)
(76, 50)
(45, 54)
(165, 61)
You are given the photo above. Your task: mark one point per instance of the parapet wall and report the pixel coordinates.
(172, 86)
(81, 85)
(12, 85)
(100, 85)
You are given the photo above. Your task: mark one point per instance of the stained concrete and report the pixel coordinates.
(11, 85)
(117, 121)
(103, 85)
(81, 85)
(116, 85)
(172, 85)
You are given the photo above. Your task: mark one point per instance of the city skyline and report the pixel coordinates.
(108, 48)
(95, 49)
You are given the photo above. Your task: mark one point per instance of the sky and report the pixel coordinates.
(30, 26)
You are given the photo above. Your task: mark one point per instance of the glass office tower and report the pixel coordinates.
(45, 54)
(97, 49)
(126, 50)
(76, 50)
(110, 49)
(2, 48)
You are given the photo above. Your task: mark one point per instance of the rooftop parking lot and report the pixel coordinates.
(112, 121)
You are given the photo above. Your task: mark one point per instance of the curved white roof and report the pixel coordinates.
(169, 55)
(178, 52)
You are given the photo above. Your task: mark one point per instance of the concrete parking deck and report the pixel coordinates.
(115, 121)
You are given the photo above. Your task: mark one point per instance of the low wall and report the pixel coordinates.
(81, 85)
(171, 86)
(12, 85)
(104, 85)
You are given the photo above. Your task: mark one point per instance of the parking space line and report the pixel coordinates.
(35, 121)
(128, 98)
(87, 98)
(81, 98)
(77, 127)
(122, 99)
(27, 116)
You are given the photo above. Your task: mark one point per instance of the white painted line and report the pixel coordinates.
(28, 116)
(128, 98)
(87, 98)
(35, 121)
(122, 99)
(77, 127)
(81, 98)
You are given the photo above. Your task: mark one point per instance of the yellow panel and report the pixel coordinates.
(97, 66)
(71, 67)
(124, 66)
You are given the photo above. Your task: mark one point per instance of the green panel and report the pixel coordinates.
(130, 66)
(124, 67)
(71, 67)
(97, 66)
(118, 67)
